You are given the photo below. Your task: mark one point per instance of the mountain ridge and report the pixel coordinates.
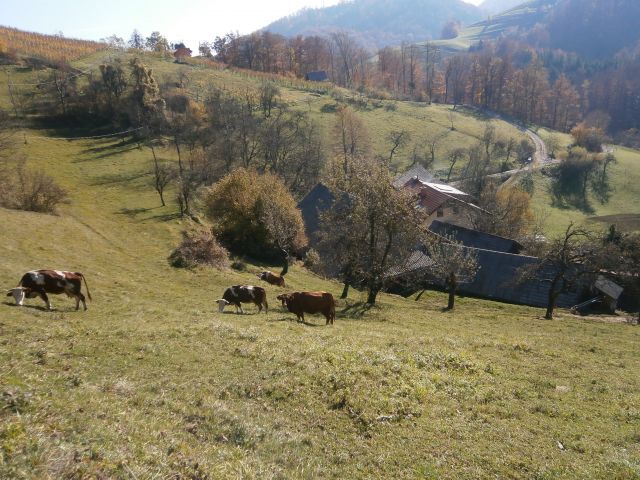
(378, 23)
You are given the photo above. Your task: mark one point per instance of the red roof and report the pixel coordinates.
(433, 195)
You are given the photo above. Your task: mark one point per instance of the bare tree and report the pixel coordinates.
(163, 174)
(372, 227)
(565, 260)
(454, 156)
(398, 139)
(451, 264)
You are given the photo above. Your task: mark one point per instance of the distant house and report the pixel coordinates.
(442, 202)
(319, 76)
(475, 239)
(318, 200)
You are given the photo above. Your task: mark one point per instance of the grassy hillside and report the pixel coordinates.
(621, 208)
(153, 382)
(381, 117)
(518, 19)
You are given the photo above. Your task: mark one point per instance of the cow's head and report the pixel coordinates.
(19, 294)
(221, 304)
(262, 275)
(283, 297)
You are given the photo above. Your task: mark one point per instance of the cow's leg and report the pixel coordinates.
(44, 297)
(80, 298)
(259, 305)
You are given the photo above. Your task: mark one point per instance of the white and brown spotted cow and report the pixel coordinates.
(40, 282)
(239, 294)
(271, 278)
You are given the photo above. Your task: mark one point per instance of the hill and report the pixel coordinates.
(51, 48)
(153, 381)
(379, 23)
(517, 21)
(594, 30)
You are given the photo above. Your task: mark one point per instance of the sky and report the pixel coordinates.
(189, 22)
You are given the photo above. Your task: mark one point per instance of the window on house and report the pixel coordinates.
(440, 212)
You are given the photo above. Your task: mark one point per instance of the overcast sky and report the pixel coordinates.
(190, 21)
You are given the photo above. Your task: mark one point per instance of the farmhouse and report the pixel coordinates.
(442, 202)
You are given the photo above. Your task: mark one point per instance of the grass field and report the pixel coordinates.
(153, 382)
(622, 208)
(520, 18)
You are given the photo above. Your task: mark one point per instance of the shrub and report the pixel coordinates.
(22, 189)
(255, 214)
(199, 247)
(312, 259)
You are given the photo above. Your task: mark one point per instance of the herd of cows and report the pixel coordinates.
(39, 283)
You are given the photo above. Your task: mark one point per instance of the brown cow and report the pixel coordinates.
(239, 294)
(40, 282)
(310, 302)
(271, 278)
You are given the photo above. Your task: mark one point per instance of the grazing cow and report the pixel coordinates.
(310, 302)
(243, 294)
(40, 282)
(271, 278)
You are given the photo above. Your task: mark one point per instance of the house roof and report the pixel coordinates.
(417, 171)
(497, 278)
(608, 287)
(312, 205)
(474, 238)
(318, 76)
(433, 195)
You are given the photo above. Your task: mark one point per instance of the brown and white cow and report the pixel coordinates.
(310, 302)
(271, 278)
(40, 282)
(239, 294)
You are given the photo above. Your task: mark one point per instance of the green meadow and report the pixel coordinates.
(153, 382)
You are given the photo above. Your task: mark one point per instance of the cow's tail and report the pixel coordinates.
(85, 285)
(333, 311)
(266, 305)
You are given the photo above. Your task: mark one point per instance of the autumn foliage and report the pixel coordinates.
(255, 214)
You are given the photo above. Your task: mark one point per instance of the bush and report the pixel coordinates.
(22, 189)
(199, 247)
(255, 215)
(312, 259)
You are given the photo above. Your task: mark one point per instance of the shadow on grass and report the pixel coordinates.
(356, 310)
(132, 212)
(113, 178)
(292, 319)
(165, 217)
(42, 308)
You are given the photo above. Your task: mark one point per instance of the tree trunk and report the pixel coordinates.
(371, 298)
(345, 290)
(452, 283)
(452, 299)
(551, 301)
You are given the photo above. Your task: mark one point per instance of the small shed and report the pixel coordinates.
(610, 290)
(319, 76)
